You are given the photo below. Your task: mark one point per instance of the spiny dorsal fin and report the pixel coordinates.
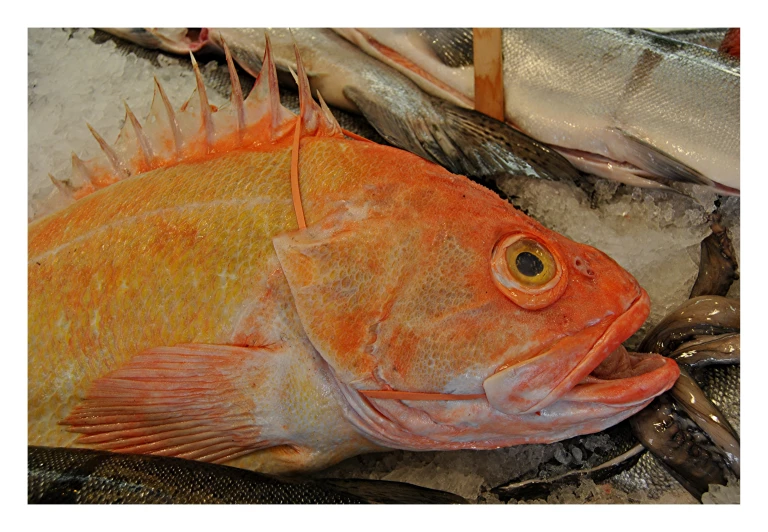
(333, 123)
(81, 171)
(65, 187)
(198, 129)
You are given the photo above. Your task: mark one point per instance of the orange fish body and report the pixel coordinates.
(182, 311)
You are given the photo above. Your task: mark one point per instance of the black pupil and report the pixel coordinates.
(529, 264)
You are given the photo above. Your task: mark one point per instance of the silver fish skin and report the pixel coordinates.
(629, 105)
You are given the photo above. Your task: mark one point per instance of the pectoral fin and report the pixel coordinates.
(188, 401)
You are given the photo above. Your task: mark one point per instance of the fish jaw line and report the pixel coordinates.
(512, 389)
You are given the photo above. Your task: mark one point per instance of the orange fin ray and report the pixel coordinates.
(264, 100)
(163, 103)
(117, 164)
(187, 401)
(205, 107)
(237, 94)
(65, 187)
(145, 148)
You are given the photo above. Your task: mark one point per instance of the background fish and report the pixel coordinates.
(84, 476)
(616, 103)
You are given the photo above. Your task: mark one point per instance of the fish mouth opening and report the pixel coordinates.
(626, 379)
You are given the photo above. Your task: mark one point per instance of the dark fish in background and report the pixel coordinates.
(683, 428)
(579, 458)
(717, 264)
(703, 315)
(616, 102)
(463, 141)
(83, 476)
(690, 456)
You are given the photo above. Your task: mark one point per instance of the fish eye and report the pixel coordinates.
(528, 271)
(530, 262)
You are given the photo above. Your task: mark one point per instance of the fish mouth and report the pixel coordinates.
(626, 379)
(588, 366)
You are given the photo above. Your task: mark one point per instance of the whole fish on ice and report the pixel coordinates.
(250, 287)
(629, 105)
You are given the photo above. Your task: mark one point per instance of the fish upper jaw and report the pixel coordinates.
(531, 385)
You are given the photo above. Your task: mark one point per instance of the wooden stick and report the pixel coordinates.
(489, 86)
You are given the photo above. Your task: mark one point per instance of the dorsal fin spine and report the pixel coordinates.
(237, 93)
(80, 170)
(205, 107)
(65, 188)
(117, 164)
(273, 91)
(173, 122)
(141, 139)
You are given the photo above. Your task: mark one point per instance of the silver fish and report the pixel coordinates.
(617, 103)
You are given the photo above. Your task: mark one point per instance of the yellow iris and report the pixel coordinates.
(530, 263)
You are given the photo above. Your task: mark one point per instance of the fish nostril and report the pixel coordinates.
(582, 266)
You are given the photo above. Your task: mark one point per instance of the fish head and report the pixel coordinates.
(449, 319)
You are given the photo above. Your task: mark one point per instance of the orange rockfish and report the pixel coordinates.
(247, 286)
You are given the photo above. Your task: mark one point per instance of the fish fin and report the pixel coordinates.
(196, 130)
(237, 92)
(314, 120)
(464, 141)
(206, 121)
(658, 163)
(191, 401)
(264, 99)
